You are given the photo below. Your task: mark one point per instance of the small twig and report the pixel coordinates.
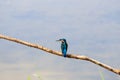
(101, 75)
(81, 57)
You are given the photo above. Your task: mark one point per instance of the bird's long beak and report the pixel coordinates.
(57, 40)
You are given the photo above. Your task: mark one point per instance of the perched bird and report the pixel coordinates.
(64, 46)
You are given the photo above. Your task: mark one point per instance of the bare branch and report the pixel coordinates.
(80, 57)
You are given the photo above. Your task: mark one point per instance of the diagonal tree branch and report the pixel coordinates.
(80, 57)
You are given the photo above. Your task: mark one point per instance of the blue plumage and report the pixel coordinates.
(64, 46)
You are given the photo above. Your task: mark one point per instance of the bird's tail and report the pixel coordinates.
(64, 55)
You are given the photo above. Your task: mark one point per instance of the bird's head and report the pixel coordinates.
(62, 40)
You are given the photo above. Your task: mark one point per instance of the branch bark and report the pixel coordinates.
(80, 57)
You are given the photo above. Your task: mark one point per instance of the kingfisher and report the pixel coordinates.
(64, 46)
